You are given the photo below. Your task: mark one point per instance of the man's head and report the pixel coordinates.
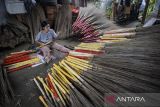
(45, 26)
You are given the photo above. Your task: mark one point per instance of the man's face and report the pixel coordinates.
(46, 28)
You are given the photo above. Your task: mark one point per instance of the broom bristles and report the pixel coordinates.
(129, 64)
(90, 20)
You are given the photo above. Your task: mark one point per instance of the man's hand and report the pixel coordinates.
(42, 44)
(49, 42)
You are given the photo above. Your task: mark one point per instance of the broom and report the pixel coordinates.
(137, 30)
(89, 24)
(133, 65)
(68, 73)
(128, 70)
(130, 66)
(20, 60)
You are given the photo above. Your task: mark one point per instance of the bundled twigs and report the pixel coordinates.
(65, 78)
(87, 50)
(64, 85)
(20, 60)
(132, 65)
(138, 30)
(89, 24)
(72, 79)
(127, 67)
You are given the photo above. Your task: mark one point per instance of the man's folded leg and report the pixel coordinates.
(60, 48)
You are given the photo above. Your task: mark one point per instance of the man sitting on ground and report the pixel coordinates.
(46, 39)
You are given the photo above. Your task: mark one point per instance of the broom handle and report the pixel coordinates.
(17, 61)
(25, 52)
(52, 88)
(52, 80)
(121, 30)
(43, 102)
(19, 68)
(62, 73)
(39, 87)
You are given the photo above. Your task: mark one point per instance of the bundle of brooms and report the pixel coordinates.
(20, 60)
(90, 24)
(130, 64)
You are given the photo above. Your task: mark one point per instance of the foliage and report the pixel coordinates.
(109, 12)
(150, 7)
(97, 3)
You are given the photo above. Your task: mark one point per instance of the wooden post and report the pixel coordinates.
(32, 29)
(30, 24)
(145, 11)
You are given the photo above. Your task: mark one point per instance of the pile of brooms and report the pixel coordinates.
(59, 87)
(89, 25)
(20, 60)
(128, 62)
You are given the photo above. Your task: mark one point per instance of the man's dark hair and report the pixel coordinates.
(44, 23)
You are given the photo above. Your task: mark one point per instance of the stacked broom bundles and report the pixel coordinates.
(128, 66)
(132, 66)
(71, 81)
(89, 24)
(64, 84)
(19, 60)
